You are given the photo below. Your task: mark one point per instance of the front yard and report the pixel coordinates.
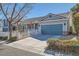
(56, 45)
(65, 46)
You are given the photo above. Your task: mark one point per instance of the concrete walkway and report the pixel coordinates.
(30, 44)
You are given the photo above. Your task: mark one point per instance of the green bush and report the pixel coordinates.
(76, 22)
(3, 38)
(68, 46)
(12, 39)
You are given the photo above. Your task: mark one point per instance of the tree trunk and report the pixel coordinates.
(10, 31)
(72, 23)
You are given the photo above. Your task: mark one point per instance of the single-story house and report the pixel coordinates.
(50, 24)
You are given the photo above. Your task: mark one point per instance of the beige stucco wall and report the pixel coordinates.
(48, 22)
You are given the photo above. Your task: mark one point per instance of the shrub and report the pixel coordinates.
(68, 46)
(3, 38)
(12, 39)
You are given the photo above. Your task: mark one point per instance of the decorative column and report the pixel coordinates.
(65, 31)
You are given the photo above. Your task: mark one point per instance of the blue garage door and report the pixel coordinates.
(55, 29)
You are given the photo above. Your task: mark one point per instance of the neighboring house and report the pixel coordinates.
(51, 24)
(3, 26)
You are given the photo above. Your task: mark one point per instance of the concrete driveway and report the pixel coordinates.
(30, 44)
(35, 44)
(11, 51)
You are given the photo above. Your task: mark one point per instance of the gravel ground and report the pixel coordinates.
(11, 51)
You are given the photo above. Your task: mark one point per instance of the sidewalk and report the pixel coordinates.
(30, 44)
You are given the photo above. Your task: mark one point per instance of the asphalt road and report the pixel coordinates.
(11, 51)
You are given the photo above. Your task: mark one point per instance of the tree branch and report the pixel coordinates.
(6, 10)
(20, 11)
(13, 11)
(3, 12)
(23, 16)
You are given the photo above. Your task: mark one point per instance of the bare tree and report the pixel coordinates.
(14, 12)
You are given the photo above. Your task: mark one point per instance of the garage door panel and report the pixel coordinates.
(52, 29)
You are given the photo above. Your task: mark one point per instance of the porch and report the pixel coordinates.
(33, 29)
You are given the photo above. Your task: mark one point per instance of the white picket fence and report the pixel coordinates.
(18, 34)
(4, 34)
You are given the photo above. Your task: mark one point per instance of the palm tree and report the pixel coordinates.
(75, 16)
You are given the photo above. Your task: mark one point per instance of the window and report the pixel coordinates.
(60, 18)
(64, 23)
(5, 23)
(50, 16)
(5, 29)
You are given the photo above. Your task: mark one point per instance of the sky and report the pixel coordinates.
(42, 9)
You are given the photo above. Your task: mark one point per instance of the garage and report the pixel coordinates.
(54, 29)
